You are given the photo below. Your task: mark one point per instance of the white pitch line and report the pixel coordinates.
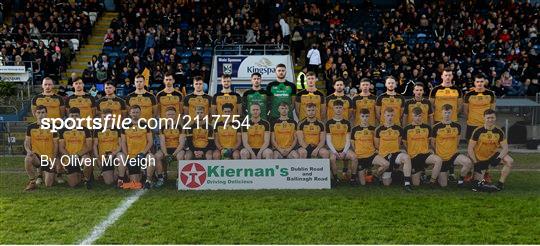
(113, 217)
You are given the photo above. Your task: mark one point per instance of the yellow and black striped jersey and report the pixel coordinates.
(165, 100)
(391, 101)
(347, 105)
(227, 135)
(284, 131)
(418, 139)
(146, 101)
(311, 131)
(221, 98)
(116, 104)
(424, 104)
(367, 102)
(192, 101)
(52, 103)
(478, 102)
(75, 139)
(389, 139)
(363, 139)
(85, 103)
(487, 142)
(135, 138)
(256, 132)
(305, 97)
(446, 139)
(338, 130)
(445, 95)
(108, 140)
(41, 140)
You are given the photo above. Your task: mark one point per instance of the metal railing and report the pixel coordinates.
(251, 49)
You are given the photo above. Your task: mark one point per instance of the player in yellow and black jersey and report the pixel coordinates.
(200, 139)
(111, 102)
(310, 95)
(197, 98)
(169, 97)
(107, 148)
(445, 141)
(420, 102)
(76, 143)
(226, 95)
(283, 134)
(136, 144)
(488, 147)
(228, 139)
(40, 144)
(172, 142)
(476, 102)
(388, 141)
(446, 93)
(338, 140)
(81, 100)
(143, 98)
(417, 139)
(53, 102)
(365, 100)
(256, 137)
(363, 142)
(339, 94)
(311, 136)
(390, 99)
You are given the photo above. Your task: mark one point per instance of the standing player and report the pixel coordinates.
(226, 95)
(169, 97)
(283, 134)
(446, 93)
(143, 98)
(388, 142)
(280, 90)
(136, 143)
(256, 95)
(363, 142)
(256, 137)
(228, 139)
(197, 98)
(365, 100)
(445, 141)
(311, 136)
(339, 94)
(417, 139)
(107, 148)
(488, 147)
(77, 144)
(390, 99)
(111, 102)
(476, 102)
(310, 95)
(200, 139)
(53, 102)
(419, 101)
(338, 140)
(40, 144)
(81, 100)
(172, 142)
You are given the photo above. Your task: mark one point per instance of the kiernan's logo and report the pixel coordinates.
(193, 175)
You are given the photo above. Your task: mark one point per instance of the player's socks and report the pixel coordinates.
(407, 180)
(354, 179)
(59, 178)
(500, 185)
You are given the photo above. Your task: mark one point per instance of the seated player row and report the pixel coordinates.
(363, 146)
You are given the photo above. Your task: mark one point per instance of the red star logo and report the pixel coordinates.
(193, 175)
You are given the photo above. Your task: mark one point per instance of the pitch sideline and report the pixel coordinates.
(99, 229)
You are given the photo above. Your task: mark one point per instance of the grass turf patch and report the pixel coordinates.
(370, 214)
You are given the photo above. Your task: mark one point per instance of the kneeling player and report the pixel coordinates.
(76, 144)
(228, 139)
(488, 147)
(283, 134)
(107, 149)
(171, 146)
(311, 136)
(417, 140)
(41, 146)
(338, 139)
(388, 142)
(445, 139)
(136, 144)
(200, 140)
(363, 141)
(256, 137)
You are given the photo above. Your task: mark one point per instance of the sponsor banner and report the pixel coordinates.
(12, 69)
(254, 174)
(241, 67)
(14, 77)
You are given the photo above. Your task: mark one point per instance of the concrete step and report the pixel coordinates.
(93, 46)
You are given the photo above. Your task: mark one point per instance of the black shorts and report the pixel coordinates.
(448, 164)
(419, 162)
(470, 130)
(170, 151)
(73, 168)
(392, 159)
(484, 165)
(310, 148)
(135, 168)
(256, 150)
(49, 168)
(366, 163)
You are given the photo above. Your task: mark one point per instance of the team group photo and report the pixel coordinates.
(269, 122)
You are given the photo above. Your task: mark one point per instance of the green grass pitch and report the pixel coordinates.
(359, 215)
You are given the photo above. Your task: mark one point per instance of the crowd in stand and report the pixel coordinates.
(412, 42)
(40, 34)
